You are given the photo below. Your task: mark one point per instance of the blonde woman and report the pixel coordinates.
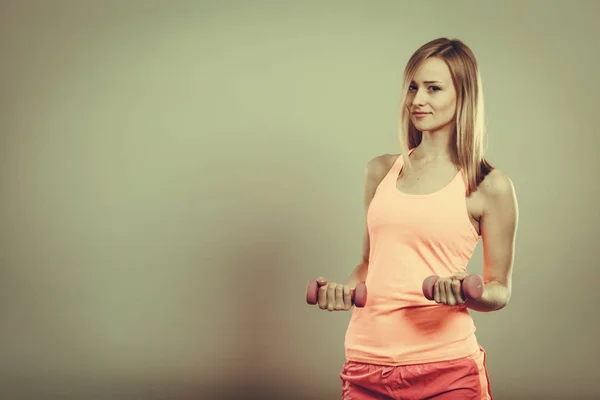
(426, 211)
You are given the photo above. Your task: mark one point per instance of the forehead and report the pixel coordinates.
(433, 69)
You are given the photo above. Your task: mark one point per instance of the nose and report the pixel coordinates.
(419, 98)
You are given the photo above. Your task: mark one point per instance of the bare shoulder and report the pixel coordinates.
(380, 165)
(498, 189)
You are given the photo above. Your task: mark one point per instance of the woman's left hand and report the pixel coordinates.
(448, 290)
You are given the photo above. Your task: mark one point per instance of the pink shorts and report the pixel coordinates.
(461, 379)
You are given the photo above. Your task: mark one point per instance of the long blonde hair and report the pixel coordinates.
(470, 130)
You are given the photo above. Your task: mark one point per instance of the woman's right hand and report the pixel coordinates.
(333, 296)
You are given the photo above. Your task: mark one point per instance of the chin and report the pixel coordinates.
(427, 127)
(421, 126)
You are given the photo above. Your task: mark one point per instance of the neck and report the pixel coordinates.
(436, 145)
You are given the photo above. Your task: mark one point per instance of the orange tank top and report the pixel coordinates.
(411, 237)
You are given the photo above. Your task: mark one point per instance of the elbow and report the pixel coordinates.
(504, 298)
(503, 304)
(496, 296)
(507, 298)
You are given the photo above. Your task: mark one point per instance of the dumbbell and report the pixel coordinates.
(472, 286)
(358, 295)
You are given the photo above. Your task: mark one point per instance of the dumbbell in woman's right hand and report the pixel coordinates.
(335, 296)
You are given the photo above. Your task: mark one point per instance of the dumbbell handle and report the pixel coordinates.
(471, 286)
(358, 295)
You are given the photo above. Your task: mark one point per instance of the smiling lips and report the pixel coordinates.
(420, 114)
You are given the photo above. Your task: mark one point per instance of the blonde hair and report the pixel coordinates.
(470, 130)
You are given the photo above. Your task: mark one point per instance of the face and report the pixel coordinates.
(431, 97)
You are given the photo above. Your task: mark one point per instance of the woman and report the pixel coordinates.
(426, 210)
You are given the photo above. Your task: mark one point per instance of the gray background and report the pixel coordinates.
(173, 173)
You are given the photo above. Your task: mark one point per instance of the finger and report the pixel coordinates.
(331, 296)
(443, 297)
(450, 300)
(457, 292)
(460, 275)
(321, 281)
(339, 297)
(347, 297)
(436, 291)
(322, 297)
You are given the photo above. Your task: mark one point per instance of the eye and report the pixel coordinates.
(434, 88)
(412, 88)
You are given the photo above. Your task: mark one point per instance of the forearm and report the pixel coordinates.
(358, 275)
(495, 297)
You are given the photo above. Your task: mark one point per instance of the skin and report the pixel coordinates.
(492, 208)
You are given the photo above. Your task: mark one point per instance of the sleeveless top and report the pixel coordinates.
(413, 236)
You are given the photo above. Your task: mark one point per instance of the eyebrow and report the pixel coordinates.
(427, 82)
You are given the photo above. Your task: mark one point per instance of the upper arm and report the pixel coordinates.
(498, 228)
(375, 171)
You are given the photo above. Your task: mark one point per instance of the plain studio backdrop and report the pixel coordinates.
(173, 173)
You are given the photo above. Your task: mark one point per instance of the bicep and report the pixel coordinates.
(498, 230)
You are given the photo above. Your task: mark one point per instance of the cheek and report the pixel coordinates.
(446, 107)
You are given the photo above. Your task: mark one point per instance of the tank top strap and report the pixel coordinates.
(391, 177)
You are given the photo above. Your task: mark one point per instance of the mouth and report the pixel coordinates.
(420, 114)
